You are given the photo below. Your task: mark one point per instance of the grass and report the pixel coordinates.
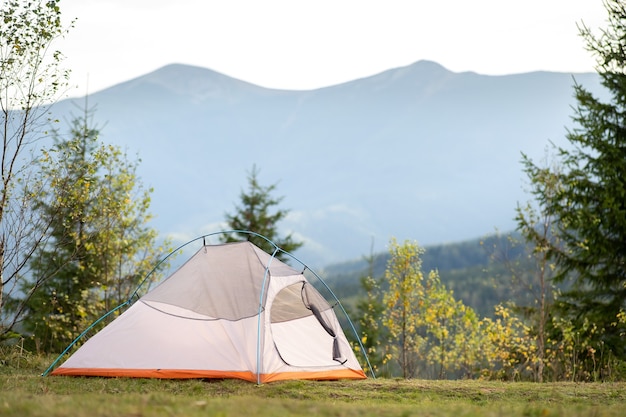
(23, 392)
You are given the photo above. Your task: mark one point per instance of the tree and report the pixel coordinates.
(402, 302)
(468, 341)
(426, 326)
(510, 351)
(538, 227)
(100, 247)
(254, 215)
(450, 329)
(589, 206)
(30, 79)
(370, 310)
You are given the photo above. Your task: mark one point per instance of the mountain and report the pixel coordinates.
(417, 152)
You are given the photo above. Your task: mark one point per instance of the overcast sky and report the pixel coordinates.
(293, 44)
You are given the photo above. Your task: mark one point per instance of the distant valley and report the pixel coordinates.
(416, 152)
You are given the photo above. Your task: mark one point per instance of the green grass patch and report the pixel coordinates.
(23, 392)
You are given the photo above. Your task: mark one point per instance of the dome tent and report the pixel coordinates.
(230, 311)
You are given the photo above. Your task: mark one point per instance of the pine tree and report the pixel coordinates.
(254, 215)
(590, 204)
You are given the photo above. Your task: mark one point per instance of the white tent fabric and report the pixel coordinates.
(231, 311)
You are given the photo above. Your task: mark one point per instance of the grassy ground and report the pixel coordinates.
(23, 392)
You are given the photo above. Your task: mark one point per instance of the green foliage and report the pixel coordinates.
(589, 201)
(29, 72)
(510, 349)
(370, 310)
(452, 332)
(412, 325)
(254, 215)
(100, 247)
(573, 352)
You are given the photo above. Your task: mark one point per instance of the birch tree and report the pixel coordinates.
(31, 78)
(402, 302)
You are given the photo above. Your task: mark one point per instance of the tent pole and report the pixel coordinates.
(80, 336)
(261, 297)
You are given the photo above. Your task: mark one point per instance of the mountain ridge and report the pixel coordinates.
(415, 152)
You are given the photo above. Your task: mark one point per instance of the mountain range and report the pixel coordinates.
(417, 152)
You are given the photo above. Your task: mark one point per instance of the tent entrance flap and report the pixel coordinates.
(302, 329)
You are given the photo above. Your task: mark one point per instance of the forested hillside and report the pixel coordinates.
(467, 268)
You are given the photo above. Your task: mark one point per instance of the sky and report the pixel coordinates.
(302, 45)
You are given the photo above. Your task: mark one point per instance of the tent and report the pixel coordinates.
(230, 311)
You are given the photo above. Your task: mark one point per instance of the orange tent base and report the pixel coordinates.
(201, 374)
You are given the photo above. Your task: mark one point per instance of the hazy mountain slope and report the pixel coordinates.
(417, 152)
(466, 268)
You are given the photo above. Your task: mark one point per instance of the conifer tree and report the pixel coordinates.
(590, 205)
(254, 214)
